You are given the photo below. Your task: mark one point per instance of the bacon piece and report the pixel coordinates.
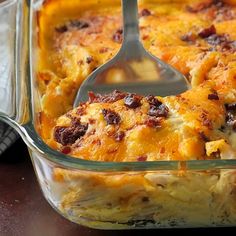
(119, 136)
(118, 36)
(153, 101)
(158, 111)
(154, 122)
(66, 150)
(132, 100)
(213, 96)
(111, 117)
(142, 158)
(107, 98)
(145, 12)
(68, 135)
(157, 108)
(205, 33)
(89, 59)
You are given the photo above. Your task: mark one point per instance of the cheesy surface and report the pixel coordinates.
(196, 37)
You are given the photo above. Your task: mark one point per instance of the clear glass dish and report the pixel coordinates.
(107, 195)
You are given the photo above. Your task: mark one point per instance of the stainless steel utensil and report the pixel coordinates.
(133, 69)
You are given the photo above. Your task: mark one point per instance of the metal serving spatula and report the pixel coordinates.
(133, 69)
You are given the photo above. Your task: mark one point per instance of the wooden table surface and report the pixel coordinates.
(25, 212)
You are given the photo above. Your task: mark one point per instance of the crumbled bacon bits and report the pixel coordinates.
(160, 111)
(118, 36)
(205, 120)
(92, 121)
(93, 97)
(107, 98)
(103, 50)
(221, 41)
(145, 37)
(153, 101)
(213, 96)
(162, 150)
(68, 135)
(132, 101)
(154, 122)
(142, 158)
(145, 12)
(205, 33)
(97, 142)
(112, 150)
(111, 117)
(89, 59)
(119, 136)
(66, 150)
(157, 108)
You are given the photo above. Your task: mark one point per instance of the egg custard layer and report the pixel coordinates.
(196, 37)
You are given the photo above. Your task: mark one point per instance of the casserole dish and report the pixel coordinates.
(118, 195)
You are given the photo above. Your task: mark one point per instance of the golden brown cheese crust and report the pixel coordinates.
(145, 129)
(196, 37)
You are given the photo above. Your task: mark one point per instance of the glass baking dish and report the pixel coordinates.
(107, 195)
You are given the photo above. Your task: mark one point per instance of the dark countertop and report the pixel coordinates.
(24, 211)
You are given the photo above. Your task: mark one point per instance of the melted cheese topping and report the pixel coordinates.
(79, 38)
(196, 37)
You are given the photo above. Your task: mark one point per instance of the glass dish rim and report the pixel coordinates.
(35, 142)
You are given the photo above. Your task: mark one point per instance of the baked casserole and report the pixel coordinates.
(196, 37)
